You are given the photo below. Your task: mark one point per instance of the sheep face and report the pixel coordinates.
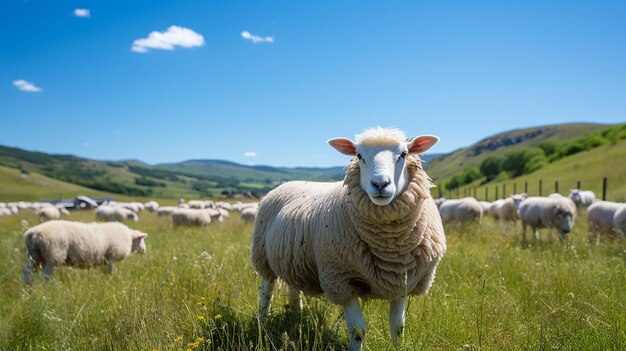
(565, 221)
(382, 153)
(139, 243)
(518, 198)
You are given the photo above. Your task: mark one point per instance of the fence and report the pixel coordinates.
(499, 191)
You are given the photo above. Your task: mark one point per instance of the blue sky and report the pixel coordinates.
(461, 70)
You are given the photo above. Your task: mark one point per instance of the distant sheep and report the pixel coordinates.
(48, 212)
(190, 217)
(151, 206)
(619, 221)
(582, 198)
(545, 212)
(166, 210)
(108, 213)
(485, 205)
(601, 215)
(461, 210)
(5, 212)
(81, 245)
(248, 214)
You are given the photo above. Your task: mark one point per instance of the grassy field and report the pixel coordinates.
(195, 289)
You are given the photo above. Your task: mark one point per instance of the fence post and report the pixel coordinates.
(439, 188)
(526, 187)
(540, 188)
(474, 191)
(578, 184)
(604, 189)
(504, 191)
(486, 193)
(514, 188)
(556, 186)
(457, 193)
(497, 193)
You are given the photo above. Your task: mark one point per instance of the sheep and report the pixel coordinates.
(78, 244)
(108, 213)
(496, 208)
(582, 198)
(510, 207)
(190, 217)
(166, 210)
(48, 212)
(601, 217)
(216, 215)
(619, 221)
(5, 212)
(377, 234)
(485, 205)
(545, 212)
(151, 206)
(439, 201)
(556, 195)
(461, 210)
(248, 214)
(129, 206)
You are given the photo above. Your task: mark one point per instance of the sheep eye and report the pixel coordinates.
(359, 156)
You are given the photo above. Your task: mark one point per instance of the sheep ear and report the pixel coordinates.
(343, 145)
(139, 235)
(421, 143)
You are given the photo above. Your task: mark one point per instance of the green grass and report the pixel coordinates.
(492, 292)
(589, 167)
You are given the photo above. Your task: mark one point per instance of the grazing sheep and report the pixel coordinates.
(248, 214)
(485, 205)
(496, 208)
(582, 198)
(216, 215)
(166, 210)
(5, 212)
(510, 207)
(377, 234)
(48, 212)
(108, 213)
(151, 206)
(545, 212)
(619, 221)
(78, 244)
(601, 217)
(190, 217)
(461, 210)
(129, 206)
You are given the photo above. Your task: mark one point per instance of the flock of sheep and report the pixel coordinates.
(554, 211)
(377, 234)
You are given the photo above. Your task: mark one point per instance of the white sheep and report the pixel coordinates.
(190, 217)
(166, 210)
(78, 244)
(108, 213)
(248, 214)
(619, 221)
(510, 207)
(582, 198)
(485, 205)
(496, 208)
(461, 210)
(545, 212)
(600, 216)
(5, 212)
(48, 212)
(377, 234)
(151, 206)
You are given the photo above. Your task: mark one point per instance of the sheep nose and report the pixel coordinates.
(380, 185)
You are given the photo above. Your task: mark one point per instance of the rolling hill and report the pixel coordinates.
(445, 166)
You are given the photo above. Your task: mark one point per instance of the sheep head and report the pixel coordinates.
(381, 153)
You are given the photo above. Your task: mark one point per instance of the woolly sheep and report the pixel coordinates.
(78, 244)
(496, 208)
(461, 210)
(557, 195)
(151, 206)
(600, 216)
(108, 213)
(545, 212)
(439, 201)
(248, 214)
(377, 234)
(485, 205)
(216, 215)
(5, 212)
(619, 221)
(190, 217)
(48, 212)
(510, 207)
(166, 210)
(582, 198)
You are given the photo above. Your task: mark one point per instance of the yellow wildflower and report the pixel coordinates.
(218, 316)
(200, 317)
(178, 339)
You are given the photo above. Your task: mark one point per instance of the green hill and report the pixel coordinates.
(446, 166)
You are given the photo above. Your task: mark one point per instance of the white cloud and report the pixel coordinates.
(26, 86)
(168, 40)
(249, 154)
(255, 38)
(82, 13)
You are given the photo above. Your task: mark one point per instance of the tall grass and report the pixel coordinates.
(195, 289)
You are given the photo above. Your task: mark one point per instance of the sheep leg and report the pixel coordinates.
(356, 323)
(535, 233)
(109, 264)
(47, 271)
(265, 301)
(28, 270)
(294, 299)
(396, 319)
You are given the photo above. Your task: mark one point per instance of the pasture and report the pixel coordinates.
(195, 290)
